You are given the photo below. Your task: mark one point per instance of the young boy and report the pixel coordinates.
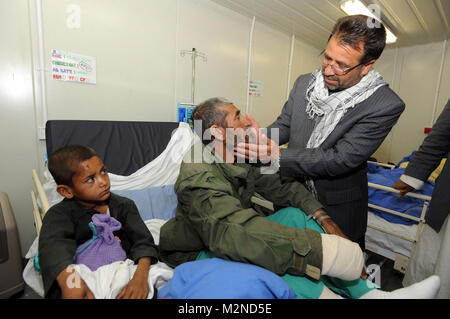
(83, 181)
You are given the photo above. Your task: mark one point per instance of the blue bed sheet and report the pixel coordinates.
(153, 202)
(223, 279)
(406, 205)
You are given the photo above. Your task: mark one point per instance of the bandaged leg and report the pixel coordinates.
(342, 258)
(425, 289)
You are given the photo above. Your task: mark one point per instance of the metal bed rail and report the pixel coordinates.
(421, 220)
(38, 193)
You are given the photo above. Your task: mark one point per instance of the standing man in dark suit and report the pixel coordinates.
(432, 254)
(334, 120)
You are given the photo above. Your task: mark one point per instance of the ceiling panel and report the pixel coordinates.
(413, 21)
(443, 6)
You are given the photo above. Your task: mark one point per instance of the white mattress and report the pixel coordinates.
(385, 244)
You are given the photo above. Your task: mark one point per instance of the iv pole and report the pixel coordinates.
(194, 54)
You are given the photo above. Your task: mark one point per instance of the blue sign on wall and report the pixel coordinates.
(184, 112)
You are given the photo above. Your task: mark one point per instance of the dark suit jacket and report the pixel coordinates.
(435, 147)
(338, 167)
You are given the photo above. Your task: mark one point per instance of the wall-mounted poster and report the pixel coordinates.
(72, 67)
(256, 88)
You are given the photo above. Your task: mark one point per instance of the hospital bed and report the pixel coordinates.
(125, 148)
(143, 161)
(394, 224)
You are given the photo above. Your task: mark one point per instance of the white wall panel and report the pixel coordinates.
(388, 68)
(270, 59)
(307, 59)
(222, 35)
(413, 73)
(17, 122)
(134, 44)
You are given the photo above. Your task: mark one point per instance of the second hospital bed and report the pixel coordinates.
(394, 224)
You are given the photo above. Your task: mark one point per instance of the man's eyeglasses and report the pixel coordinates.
(336, 68)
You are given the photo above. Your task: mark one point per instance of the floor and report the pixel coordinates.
(389, 278)
(27, 293)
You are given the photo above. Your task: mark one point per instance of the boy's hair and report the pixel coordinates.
(62, 162)
(355, 28)
(208, 114)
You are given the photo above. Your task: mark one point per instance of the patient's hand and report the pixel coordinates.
(137, 288)
(72, 286)
(330, 227)
(364, 274)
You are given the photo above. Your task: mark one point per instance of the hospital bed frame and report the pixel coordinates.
(41, 206)
(401, 261)
(38, 193)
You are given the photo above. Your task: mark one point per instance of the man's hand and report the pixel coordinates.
(402, 187)
(260, 147)
(138, 287)
(72, 286)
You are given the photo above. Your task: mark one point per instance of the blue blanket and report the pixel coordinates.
(406, 205)
(223, 279)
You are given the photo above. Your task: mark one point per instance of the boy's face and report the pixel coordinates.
(90, 182)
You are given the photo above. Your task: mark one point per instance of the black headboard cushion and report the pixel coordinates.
(123, 146)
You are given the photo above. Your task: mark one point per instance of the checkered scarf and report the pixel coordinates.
(328, 109)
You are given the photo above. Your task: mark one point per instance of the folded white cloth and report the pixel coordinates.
(32, 277)
(108, 281)
(164, 169)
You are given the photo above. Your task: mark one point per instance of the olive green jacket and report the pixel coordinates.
(215, 213)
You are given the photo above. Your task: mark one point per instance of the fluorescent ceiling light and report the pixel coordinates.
(352, 7)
